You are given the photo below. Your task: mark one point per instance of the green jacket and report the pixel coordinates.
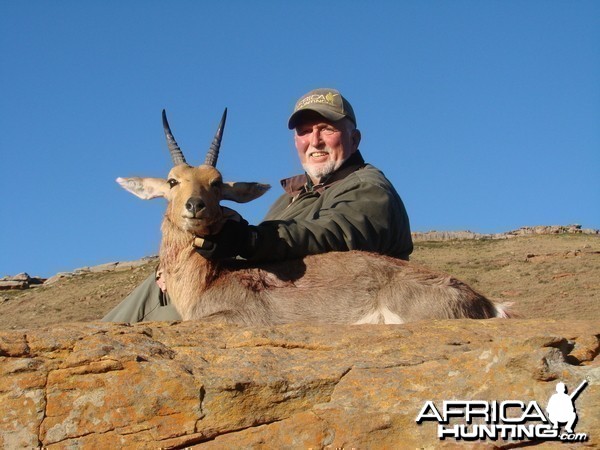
(356, 208)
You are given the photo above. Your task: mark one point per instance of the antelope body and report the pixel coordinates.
(337, 287)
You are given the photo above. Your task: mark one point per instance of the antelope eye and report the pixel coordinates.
(216, 183)
(172, 182)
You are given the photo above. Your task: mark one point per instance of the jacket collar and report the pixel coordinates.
(302, 183)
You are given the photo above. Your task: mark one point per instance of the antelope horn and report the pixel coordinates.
(213, 151)
(174, 149)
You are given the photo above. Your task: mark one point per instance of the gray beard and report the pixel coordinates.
(318, 173)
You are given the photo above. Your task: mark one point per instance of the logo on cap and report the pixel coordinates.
(328, 99)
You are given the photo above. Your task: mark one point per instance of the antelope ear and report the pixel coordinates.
(243, 192)
(145, 188)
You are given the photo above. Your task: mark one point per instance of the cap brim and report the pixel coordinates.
(326, 113)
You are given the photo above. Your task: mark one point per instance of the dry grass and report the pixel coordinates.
(546, 276)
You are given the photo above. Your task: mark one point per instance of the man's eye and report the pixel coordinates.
(328, 130)
(172, 182)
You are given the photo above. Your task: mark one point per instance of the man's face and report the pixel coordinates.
(323, 145)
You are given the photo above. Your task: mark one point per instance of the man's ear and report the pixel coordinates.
(356, 138)
(243, 192)
(145, 188)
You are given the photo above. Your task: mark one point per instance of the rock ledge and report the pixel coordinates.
(172, 385)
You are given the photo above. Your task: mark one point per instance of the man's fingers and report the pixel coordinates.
(202, 243)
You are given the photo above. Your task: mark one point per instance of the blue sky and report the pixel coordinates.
(484, 114)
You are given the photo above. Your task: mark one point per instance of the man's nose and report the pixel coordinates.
(315, 137)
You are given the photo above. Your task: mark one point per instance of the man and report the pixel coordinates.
(340, 203)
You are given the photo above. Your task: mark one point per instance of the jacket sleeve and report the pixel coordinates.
(360, 215)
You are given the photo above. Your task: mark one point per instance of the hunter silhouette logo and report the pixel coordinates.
(508, 419)
(561, 406)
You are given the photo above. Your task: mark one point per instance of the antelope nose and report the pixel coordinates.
(194, 205)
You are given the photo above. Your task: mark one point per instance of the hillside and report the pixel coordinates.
(553, 276)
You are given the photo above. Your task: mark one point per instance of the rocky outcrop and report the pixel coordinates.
(20, 281)
(107, 267)
(523, 231)
(553, 229)
(172, 385)
(24, 281)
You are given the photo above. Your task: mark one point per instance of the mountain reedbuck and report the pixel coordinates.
(351, 287)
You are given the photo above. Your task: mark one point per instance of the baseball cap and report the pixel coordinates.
(327, 102)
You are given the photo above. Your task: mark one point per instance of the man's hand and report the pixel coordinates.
(235, 238)
(160, 280)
